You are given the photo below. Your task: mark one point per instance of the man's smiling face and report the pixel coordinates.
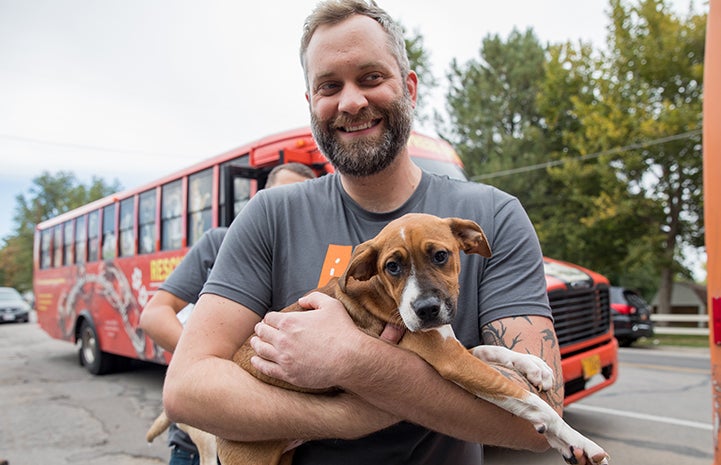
(361, 107)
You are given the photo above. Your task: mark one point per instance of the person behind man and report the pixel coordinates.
(394, 408)
(159, 318)
(288, 173)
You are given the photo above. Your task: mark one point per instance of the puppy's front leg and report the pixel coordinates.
(440, 348)
(446, 354)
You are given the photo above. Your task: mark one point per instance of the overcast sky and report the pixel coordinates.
(136, 89)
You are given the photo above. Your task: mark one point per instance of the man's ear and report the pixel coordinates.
(470, 236)
(412, 86)
(362, 264)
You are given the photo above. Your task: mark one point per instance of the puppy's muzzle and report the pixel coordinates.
(427, 308)
(432, 311)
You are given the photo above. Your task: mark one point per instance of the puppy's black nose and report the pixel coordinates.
(427, 308)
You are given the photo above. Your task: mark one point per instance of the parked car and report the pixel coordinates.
(631, 316)
(12, 306)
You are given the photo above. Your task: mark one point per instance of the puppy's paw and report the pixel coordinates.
(573, 446)
(533, 368)
(578, 455)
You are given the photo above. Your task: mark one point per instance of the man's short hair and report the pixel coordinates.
(331, 12)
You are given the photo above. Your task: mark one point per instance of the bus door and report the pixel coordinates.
(236, 184)
(239, 180)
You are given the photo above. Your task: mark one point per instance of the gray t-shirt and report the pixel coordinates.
(290, 239)
(186, 281)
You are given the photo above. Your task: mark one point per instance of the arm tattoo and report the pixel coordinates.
(495, 333)
(498, 333)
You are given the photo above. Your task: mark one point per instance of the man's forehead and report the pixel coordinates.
(352, 35)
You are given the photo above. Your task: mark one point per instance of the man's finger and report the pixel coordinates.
(314, 300)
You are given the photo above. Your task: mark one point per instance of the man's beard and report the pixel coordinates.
(366, 156)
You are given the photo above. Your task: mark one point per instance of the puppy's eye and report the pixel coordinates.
(440, 257)
(393, 268)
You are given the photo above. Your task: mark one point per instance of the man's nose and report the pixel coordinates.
(352, 99)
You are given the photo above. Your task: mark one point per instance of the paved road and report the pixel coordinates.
(657, 413)
(53, 412)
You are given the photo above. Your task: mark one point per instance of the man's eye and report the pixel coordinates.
(372, 78)
(328, 88)
(393, 268)
(440, 257)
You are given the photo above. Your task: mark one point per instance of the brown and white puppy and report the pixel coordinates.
(408, 276)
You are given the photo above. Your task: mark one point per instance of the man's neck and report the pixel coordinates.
(387, 190)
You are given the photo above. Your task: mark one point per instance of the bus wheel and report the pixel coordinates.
(91, 357)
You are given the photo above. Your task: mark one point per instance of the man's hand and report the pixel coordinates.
(311, 349)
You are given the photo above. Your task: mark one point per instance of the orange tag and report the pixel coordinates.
(337, 258)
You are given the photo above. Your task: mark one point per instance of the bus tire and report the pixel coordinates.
(91, 357)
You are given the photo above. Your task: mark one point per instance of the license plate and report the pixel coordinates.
(591, 366)
(8, 317)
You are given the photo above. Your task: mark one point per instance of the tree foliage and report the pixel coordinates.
(420, 62)
(658, 62)
(494, 121)
(603, 148)
(49, 196)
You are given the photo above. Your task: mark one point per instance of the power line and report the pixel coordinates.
(86, 147)
(548, 164)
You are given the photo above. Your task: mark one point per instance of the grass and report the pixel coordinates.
(673, 340)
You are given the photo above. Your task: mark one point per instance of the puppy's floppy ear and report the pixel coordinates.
(362, 264)
(470, 236)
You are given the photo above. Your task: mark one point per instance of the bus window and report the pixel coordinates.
(58, 246)
(109, 232)
(81, 237)
(93, 239)
(171, 225)
(200, 193)
(127, 238)
(241, 191)
(234, 185)
(146, 222)
(68, 242)
(45, 238)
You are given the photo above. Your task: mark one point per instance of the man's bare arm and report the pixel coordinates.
(532, 335)
(529, 335)
(159, 319)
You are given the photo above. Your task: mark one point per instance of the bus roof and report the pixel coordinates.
(297, 144)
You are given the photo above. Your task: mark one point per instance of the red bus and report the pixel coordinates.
(97, 266)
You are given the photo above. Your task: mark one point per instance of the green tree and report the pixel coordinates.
(49, 196)
(656, 85)
(603, 149)
(494, 122)
(420, 62)
(596, 218)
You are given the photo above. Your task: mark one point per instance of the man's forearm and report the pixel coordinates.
(246, 409)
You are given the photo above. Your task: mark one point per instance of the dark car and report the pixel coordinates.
(631, 316)
(12, 306)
